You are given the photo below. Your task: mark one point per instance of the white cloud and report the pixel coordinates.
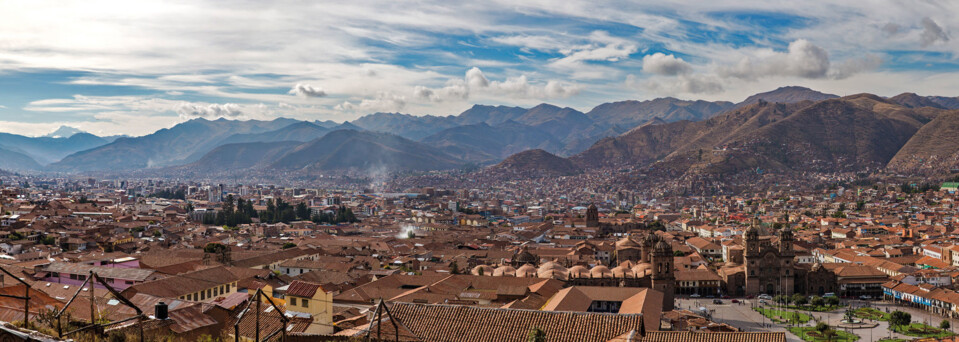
(932, 33)
(802, 59)
(307, 90)
(663, 64)
(601, 48)
(681, 84)
(213, 110)
(383, 102)
(475, 82)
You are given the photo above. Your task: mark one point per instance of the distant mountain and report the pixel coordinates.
(168, 146)
(912, 100)
(633, 113)
(538, 161)
(12, 160)
(946, 102)
(483, 143)
(789, 94)
(491, 115)
(404, 125)
(240, 156)
(64, 132)
(46, 150)
(301, 131)
(362, 150)
(848, 134)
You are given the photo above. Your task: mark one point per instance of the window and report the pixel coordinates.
(216, 291)
(306, 302)
(293, 301)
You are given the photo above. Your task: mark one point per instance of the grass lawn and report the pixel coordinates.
(886, 339)
(821, 308)
(871, 313)
(921, 330)
(810, 334)
(780, 316)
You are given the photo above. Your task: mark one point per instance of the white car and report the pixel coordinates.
(694, 295)
(765, 296)
(865, 297)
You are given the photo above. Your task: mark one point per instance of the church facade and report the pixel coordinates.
(769, 267)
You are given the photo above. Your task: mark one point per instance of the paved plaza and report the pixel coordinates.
(743, 317)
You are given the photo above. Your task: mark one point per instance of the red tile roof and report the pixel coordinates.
(303, 289)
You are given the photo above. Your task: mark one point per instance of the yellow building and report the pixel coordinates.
(311, 299)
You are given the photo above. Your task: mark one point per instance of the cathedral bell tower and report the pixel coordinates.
(662, 278)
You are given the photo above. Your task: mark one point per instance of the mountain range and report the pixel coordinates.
(787, 129)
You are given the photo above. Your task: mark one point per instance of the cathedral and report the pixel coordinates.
(769, 267)
(648, 263)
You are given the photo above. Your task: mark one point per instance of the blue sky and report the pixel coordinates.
(134, 67)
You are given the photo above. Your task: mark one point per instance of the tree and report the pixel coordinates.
(796, 298)
(832, 300)
(302, 211)
(536, 335)
(817, 301)
(288, 245)
(899, 318)
(679, 253)
(944, 325)
(214, 247)
(454, 268)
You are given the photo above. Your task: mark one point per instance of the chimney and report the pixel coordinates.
(160, 310)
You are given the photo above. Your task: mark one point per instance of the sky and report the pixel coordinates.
(132, 67)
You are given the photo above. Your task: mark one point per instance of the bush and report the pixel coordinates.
(898, 318)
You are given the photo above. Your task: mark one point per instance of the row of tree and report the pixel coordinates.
(237, 211)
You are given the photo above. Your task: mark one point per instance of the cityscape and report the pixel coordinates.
(431, 171)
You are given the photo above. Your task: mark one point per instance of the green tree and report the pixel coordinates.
(679, 253)
(817, 301)
(302, 211)
(214, 247)
(536, 335)
(796, 298)
(944, 325)
(454, 268)
(288, 245)
(832, 301)
(899, 318)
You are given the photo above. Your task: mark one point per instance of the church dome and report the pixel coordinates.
(482, 270)
(525, 257)
(622, 272)
(578, 271)
(600, 271)
(526, 271)
(643, 269)
(626, 242)
(553, 270)
(504, 271)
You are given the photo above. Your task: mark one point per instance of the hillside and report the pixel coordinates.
(537, 161)
(12, 160)
(634, 113)
(168, 146)
(912, 100)
(356, 150)
(241, 156)
(483, 143)
(852, 133)
(301, 131)
(933, 150)
(404, 125)
(45, 150)
(790, 94)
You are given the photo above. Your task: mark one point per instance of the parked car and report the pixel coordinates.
(735, 300)
(865, 297)
(717, 301)
(829, 294)
(765, 296)
(724, 297)
(694, 295)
